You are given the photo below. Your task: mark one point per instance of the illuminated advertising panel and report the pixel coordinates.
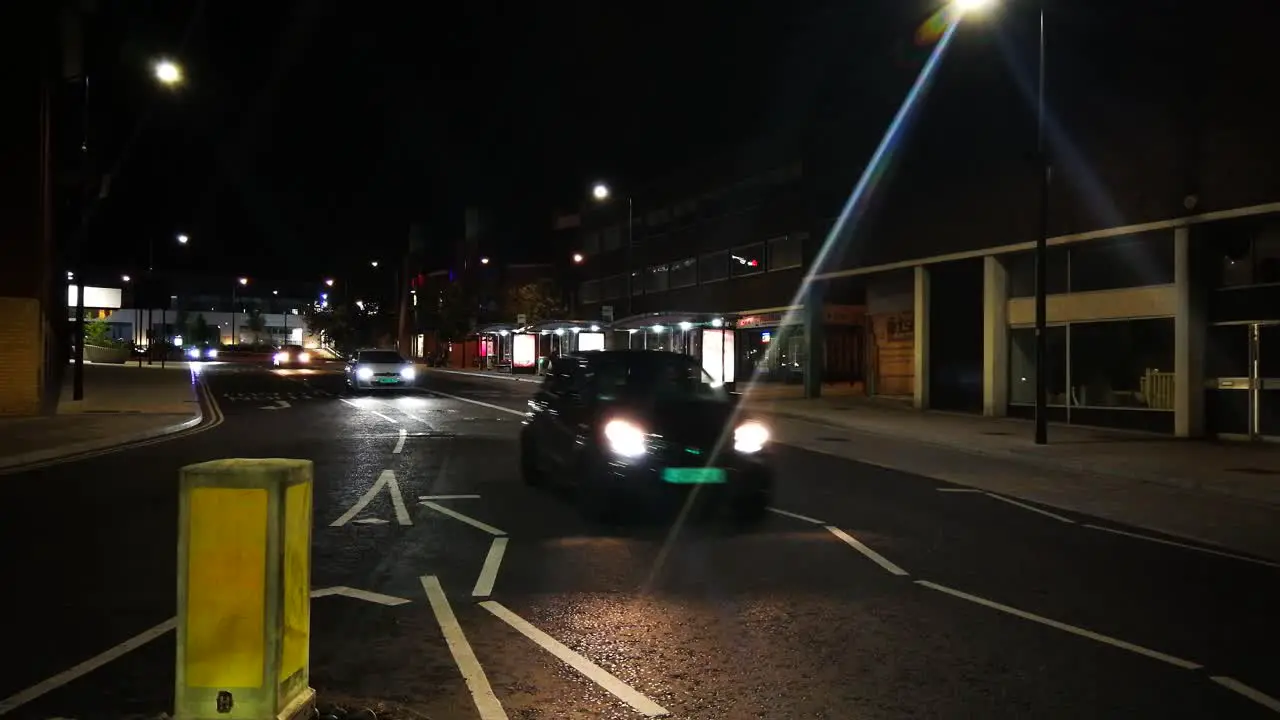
(717, 354)
(590, 341)
(524, 350)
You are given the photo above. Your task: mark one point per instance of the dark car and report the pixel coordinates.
(643, 428)
(291, 356)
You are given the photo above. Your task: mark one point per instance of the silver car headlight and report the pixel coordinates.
(211, 353)
(408, 373)
(364, 373)
(625, 439)
(750, 437)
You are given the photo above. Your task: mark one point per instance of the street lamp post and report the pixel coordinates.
(601, 192)
(1041, 254)
(241, 282)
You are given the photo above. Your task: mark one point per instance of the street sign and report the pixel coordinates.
(521, 319)
(606, 313)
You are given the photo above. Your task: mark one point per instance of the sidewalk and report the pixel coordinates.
(122, 404)
(1218, 494)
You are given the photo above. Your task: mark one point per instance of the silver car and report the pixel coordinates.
(379, 369)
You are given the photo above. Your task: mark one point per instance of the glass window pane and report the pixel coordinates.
(1022, 272)
(1022, 365)
(1122, 262)
(589, 292)
(785, 252)
(747, 260)
(657, 280)
(613, 287)
(684, 273)
(713, 267)
(1123, 364)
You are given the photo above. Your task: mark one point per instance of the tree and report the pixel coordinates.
(98, 333)
(537, 301)
(256, 323)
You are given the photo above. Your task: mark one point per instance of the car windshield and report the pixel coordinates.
(662, 376)
(381, 357)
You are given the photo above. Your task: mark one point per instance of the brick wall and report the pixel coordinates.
(21, 356)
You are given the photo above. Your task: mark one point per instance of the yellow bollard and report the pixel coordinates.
(244, 590)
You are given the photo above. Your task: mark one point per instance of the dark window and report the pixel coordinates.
(637, 282)
(1022, 365)
(612, 239)
(613, 287)
(1123, 364)
(657, 279)
(1122, 262)
(786, 252)
(589, 292)
(684, 273)
(747, 260)
(713, 267)
(1266, 259)
(652, 375)
(1021, 268)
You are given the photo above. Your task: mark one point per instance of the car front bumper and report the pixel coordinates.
(747, 478)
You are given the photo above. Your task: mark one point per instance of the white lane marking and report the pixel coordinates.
(481, 693)
(489, 572)
(279, 405)
(22, 697)
(371, 521)
(459, 516)
(357, 594)
(797, 516)
(874, 556)
(448, 497)
(386, 479)
(1032, 508)
(1197, 548)
(1154, 654)
(953, 489)
(400, 442)
(593, 672)
(481, 403)
(358, 406)
(1261, 698)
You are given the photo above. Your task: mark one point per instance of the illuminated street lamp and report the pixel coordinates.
(329, 282)
(600, 191)
(374, 263)
(244, 281)
(167, 72)
(484, 261)
(578, 258)
(183, 238)
(125, 278)
(968, 6)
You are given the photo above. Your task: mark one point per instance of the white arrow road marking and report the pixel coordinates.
(280, 405)
(459, 516)
(489, 572)
(595, 673)
(448, 497)
(371, 521)
(388, 480)
(357, 594)
(400, 442)
(481, 692)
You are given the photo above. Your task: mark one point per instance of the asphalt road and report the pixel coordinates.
(882, 595)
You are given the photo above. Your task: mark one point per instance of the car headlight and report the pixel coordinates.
(408, 373)
(282, 357)
(750, 437)
(304, 357)
(364, 373)
(624, 438)
(211, 353)
(194, 353)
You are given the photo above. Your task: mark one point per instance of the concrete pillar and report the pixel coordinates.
(920, 322)
(1188, 340)
(995, 337)
(815, 358)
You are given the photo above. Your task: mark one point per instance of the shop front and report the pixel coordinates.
(708, 337)
(541, 341)
(774, 348)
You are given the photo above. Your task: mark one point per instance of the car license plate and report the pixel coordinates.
(388, 381)
(694, 476)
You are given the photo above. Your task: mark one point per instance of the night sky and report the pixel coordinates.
(308, 135)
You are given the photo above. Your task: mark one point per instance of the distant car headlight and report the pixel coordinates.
(364, 373)
(211, 353)
(624, 438)
(282, 357)
(750, 437)
(304, 357)
(408, 373)
(194, 353)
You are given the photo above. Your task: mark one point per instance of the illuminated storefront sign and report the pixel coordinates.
(717, 354)
(590, 341)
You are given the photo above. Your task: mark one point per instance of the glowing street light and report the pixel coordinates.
(125, 278)
(600, 191)
(578, 258)
(183, 238)
(968, 6)
(374, 263)
(167, 72)
(329, 282)
(484, 261)
(243, 281)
